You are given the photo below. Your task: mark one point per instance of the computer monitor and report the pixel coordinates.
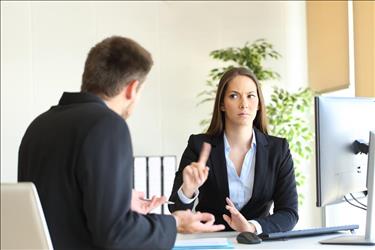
(343, 126)
(339, 121)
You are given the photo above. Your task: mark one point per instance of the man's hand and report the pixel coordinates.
(188, 222)
(144, 207)
(195, 174)
(237, 221)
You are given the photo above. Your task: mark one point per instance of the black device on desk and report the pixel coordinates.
(248, 238)
(308, 232)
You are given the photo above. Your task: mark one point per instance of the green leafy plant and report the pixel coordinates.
(286, 111)
(287, 118)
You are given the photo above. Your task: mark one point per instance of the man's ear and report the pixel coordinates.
(131, 89)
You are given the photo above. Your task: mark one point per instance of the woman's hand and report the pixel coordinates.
(237, 221)
(195, 174)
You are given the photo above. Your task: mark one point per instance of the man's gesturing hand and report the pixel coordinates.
(188, 222)
(139, 205)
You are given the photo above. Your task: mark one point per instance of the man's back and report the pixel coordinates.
(80, 158)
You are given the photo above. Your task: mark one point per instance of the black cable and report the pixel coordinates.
(354, 204)
(357, 200)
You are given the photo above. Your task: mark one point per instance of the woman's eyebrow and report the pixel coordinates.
(235, 91)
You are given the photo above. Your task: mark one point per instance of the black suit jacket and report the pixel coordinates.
(274, 182)
(79, 155)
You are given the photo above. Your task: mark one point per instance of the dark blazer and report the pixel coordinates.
(79, 155)
(274, 181)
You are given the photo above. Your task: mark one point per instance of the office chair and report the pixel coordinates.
(23, 225)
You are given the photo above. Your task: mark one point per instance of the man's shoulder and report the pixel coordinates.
(105, 118)
(79, 118)
(93, 109)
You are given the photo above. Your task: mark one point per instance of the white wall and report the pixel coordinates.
(44, 45)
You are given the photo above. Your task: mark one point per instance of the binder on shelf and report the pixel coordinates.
(154, 175)
(154, 166)
(169, 168)
(139, 176)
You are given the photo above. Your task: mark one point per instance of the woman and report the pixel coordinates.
(247, 169)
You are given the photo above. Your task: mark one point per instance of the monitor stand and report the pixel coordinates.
(369, 237)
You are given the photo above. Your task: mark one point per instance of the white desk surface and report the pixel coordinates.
(292, 243)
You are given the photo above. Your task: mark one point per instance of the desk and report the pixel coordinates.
(292, 243)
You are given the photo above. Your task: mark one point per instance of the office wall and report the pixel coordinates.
(44, 45)
(364, 46)
(328, 45)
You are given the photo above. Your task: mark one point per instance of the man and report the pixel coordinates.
(79, 155)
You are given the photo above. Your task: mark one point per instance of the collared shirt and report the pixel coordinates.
(240, 187)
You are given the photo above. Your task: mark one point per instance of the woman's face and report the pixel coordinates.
(240, 102)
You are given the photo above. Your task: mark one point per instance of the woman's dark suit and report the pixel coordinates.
(274, 181)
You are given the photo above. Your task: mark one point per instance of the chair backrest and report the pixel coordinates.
(23, 225)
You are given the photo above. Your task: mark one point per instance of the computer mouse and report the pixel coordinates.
(248, 238)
